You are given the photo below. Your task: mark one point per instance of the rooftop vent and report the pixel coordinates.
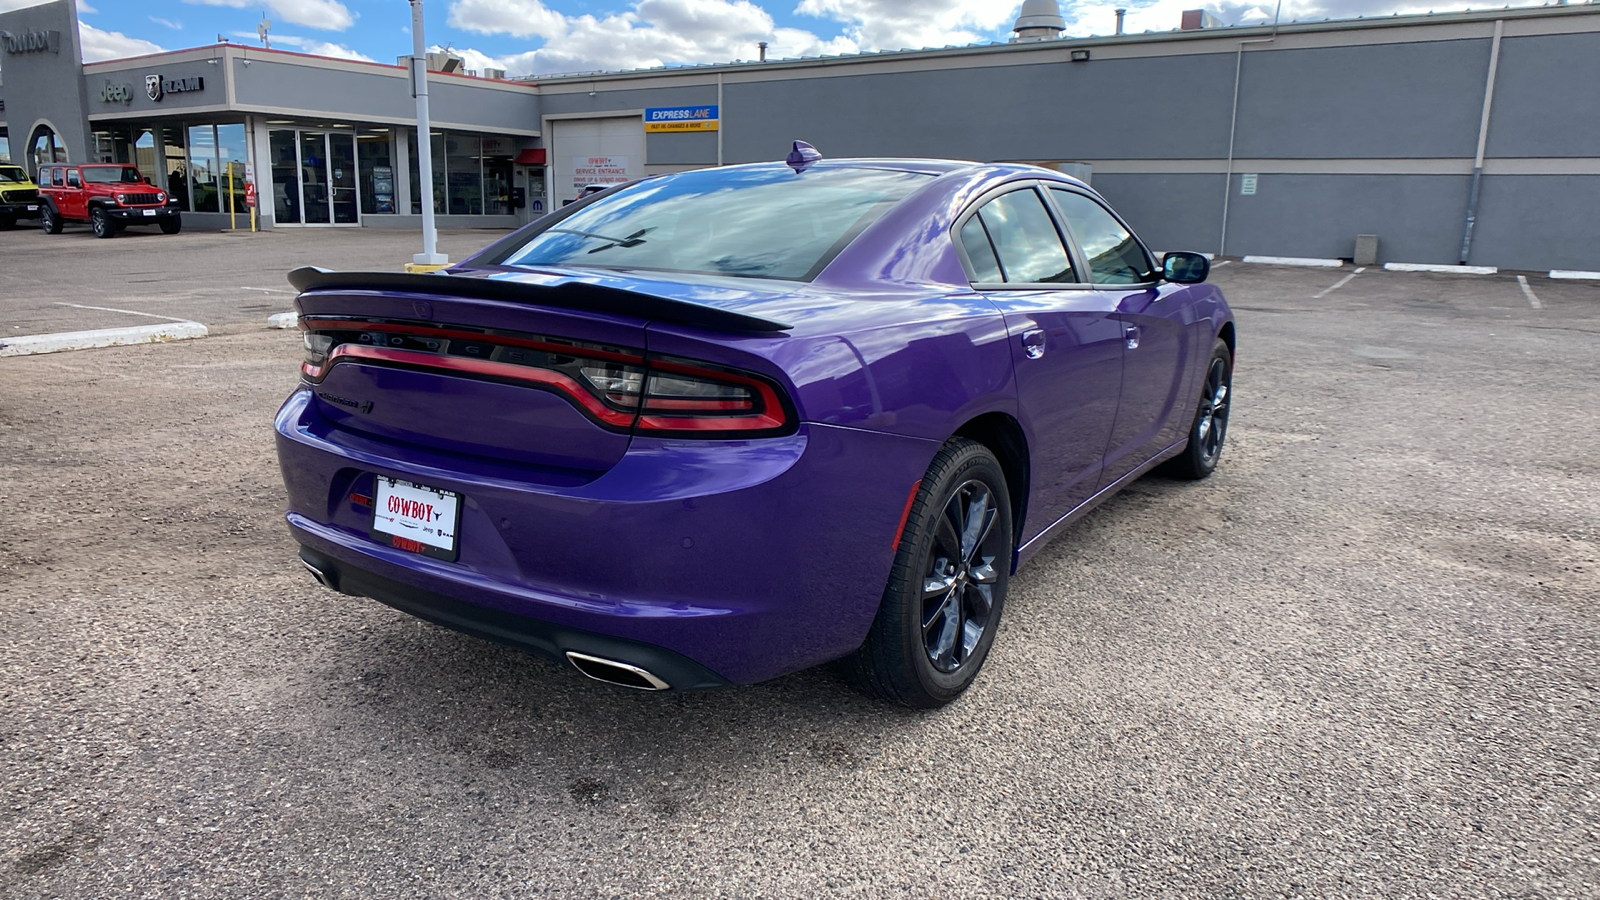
(497, 74)
(1040, 20)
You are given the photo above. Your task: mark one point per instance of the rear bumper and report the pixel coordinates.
(748, 559)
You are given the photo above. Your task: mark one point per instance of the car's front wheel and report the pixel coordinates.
(172, 225)
(101, 223)
(942, 605)
(1210, 425)
(49, 221)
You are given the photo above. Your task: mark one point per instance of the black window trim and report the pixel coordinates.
(1067, 243)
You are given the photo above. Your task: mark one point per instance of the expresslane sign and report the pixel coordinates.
(680, 118)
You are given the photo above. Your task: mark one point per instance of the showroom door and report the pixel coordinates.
(342, 178)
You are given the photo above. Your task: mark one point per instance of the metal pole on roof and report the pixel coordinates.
(430, 255)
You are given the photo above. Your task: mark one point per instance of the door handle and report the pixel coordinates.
(1033, 343)
(1130, 334)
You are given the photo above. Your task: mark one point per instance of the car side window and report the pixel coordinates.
(1025, 240)
(1113, 254)
(55, 178)
(985, 268)
(72, 178)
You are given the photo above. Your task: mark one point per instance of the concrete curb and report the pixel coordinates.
(283, 320)
(1295, 261)
(1574, 274)
(28, 345)
(1448, 270)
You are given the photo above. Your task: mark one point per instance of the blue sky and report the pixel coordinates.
(550, 36)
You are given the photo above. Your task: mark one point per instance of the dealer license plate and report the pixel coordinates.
(416, 517)
(33, 209)
(149, 212)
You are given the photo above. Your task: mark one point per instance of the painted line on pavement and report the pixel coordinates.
(283, 320)
(1218, 265)
(1336, 285)
(266, 290)
(131, 312)
(30, 344)
(1295, 261)
(1533, 299)
(1448, 270)
(1574, 273)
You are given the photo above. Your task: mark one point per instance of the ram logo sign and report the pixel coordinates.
(156, 87)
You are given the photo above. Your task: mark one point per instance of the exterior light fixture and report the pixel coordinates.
(1080, 56)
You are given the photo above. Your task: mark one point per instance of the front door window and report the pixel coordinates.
(314, 177)
(342, 178)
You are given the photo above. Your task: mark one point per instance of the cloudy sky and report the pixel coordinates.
(549, 36)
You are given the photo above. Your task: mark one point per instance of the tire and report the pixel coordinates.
(921, 651)
(171, 226)
(49, 220)
(1210, 426)
(101, 223)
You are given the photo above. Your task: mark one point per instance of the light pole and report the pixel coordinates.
(430, 255)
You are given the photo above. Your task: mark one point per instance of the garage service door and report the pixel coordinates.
(594, 151)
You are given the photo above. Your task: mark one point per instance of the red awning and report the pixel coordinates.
(531, 157)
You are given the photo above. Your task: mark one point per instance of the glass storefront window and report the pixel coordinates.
(203, 187)
(463, 163)
(497, 155)
(231, 157)
(285, 176)
(167, 162)
(375, 152)
(5, 149)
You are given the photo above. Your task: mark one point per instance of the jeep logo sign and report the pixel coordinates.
(156, 87)
(34, 40)
(116, 93)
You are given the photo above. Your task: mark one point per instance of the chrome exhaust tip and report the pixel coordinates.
(612, 672)
(316, 573)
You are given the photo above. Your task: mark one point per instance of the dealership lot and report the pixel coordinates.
(1360, 659)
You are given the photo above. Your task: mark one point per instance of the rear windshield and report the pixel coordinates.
(112, 175)
(757, 223)
(12, 175)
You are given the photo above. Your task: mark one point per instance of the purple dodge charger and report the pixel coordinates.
(713, 427)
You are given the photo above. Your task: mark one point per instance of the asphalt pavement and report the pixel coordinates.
(1360, 660)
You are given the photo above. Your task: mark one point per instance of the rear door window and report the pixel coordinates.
(1025, 240)
(72, 178)
(56, 178)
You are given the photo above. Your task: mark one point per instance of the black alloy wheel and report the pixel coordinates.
(1210, 427)
(941, 607)
(101, 223)
(49, 221)
(171, 226)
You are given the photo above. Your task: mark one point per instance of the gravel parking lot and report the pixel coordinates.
(1361, 659)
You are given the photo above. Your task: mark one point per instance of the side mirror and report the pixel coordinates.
(1184, 267)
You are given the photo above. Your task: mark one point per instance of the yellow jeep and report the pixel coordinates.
(19, 196)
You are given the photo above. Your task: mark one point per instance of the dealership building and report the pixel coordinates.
(1454, 137)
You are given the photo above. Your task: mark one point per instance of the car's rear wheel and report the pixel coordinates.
(942, 605)
(49, 221)
(172, 225)
(1210, 425)
(101, 223)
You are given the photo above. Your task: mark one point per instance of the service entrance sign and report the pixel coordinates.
(587, 170)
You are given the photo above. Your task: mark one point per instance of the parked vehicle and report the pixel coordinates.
(717, 426)
(19, 196)
(107, 196)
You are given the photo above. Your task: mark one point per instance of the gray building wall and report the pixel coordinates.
(45, 86)
(378, 93)
(131, 74)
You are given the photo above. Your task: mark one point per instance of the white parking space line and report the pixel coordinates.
(129, 312)
(1533, 299)
(1336, 285)
(266, 290)
(1218, 265)
(27, 345)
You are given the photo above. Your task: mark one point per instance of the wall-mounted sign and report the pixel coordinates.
(33, 40)
(680, 118)
(116, 93)
(1247, 184)
(587, 170)
(156, 87)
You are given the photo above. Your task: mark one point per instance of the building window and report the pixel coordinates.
(464, 168)
(375, 154)
(203, 185)
(471, 175)
(231, 157)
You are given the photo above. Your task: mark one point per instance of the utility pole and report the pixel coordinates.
(430, 255)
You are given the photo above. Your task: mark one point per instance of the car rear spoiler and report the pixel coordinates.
(566, 295)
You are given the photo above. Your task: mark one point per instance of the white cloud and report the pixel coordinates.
(307, 45)
(326, 14)
(175, 26)
(98, 45)
(651, 33)
(898, 24)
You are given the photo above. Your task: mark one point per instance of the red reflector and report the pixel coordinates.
(361, 499)
(904, 515)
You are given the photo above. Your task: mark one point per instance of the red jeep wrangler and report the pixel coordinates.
(110, 197)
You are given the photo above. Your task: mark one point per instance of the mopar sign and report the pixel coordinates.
(34, 40)
(680, 118)
(156, 87)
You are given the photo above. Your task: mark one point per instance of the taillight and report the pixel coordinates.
(619, 389)
(694, 399)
